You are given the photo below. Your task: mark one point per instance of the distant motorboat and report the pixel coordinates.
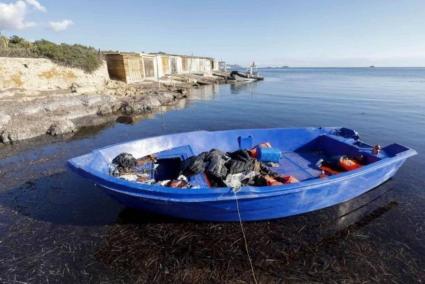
(241, 77)
(250, 75)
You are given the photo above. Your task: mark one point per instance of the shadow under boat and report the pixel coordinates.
(338, 217)
(44, 199)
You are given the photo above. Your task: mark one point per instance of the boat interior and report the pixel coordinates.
(301, 162)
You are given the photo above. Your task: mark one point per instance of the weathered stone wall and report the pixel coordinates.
(43, 74)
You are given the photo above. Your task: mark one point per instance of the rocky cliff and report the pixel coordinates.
(42, 74)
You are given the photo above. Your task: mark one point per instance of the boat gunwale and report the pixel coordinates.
(325, 130)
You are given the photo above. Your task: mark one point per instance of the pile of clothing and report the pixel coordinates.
(233, 169)
(220, 169)
(127, 167)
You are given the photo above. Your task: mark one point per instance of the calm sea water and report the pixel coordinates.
(56, 226)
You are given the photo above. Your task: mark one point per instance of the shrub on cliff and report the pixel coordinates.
(76, 55)
(86, 58)
(18, 42)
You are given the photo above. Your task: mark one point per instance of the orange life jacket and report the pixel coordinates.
(281, 180)
(271, 181)
(287, 179)
(329, 171)
(290, 179)
(348, 164)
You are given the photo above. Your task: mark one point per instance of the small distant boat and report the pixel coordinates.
(241, 77)
(301, 151)
(249, 76)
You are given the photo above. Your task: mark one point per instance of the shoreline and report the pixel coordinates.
(26, 114)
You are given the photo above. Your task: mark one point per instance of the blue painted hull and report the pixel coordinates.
(255, 203)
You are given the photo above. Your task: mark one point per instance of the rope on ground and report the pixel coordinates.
(235, 190)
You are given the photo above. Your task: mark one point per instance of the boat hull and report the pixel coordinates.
(240, 77)
(301, 201)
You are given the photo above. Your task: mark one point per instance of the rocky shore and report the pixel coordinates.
(26, 114)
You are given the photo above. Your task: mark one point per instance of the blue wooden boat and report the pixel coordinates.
(301, 149)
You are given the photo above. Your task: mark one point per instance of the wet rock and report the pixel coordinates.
(5, 137)
(90, 121)
(166, 98)
(125, 119)
(63, 103)
(90, 100)
(105, 109)
(127, 109)
(153, 102)
(59, 111)
(18, 132)
(61, 127)
(139, 107)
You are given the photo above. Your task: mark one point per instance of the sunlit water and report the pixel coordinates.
(57, 226)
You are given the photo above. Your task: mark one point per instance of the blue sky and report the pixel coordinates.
(295, 33)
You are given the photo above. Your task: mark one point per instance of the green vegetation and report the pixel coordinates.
(76, 55)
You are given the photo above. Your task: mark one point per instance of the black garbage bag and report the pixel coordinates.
(259, 180)
(241, 155)
(264, 170)
(124, 163)
(240, 162)
(216, 170)
(217, 163)
(194, 165)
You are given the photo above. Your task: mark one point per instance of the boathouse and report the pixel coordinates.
(124, 67)
(136, 67)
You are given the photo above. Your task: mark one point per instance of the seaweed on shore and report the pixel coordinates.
(160, 249)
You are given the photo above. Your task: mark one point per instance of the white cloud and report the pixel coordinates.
(13, 15)
(60, 25)
(36, 5)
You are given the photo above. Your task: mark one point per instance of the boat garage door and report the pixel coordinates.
(173, 65)
(149, 67)
(165, 65)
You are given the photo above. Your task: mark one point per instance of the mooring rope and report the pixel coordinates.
(163, 122)
(235, 190)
